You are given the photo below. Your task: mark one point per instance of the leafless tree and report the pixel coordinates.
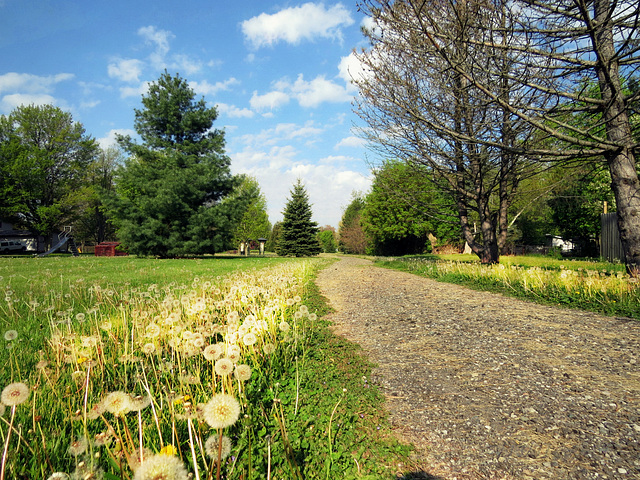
(558, 71)
(420, 107)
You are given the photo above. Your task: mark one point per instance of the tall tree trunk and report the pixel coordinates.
(622, 162)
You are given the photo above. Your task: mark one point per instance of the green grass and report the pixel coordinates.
(83, 325)
(596, 286)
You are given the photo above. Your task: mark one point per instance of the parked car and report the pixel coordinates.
(12, 246)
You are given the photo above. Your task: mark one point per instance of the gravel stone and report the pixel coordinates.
(491, 387)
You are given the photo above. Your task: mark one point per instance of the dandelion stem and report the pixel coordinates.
(6, 443)
(193, 451)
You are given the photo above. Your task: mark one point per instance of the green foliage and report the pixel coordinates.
(352, 238)
(44, 156)
(577, 202)
(254, 222)
(403, 207)
(92, 224)
(274, 236)
(298, 235)
(327, 239)
(168, 195)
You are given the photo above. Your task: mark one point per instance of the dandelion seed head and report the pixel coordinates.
(10, 335)
(223, 367)
(221, 411)
(118, 403)
(58, 476)
(243, 372)
(14, 394)
(249, 339)
(78, 447)
(284, 326)
(148, 348)
(212, 352)
(268, 348)
(161, 467)
(211, 447)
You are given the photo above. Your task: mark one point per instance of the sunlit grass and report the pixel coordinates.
(208, 368)
(596, 286)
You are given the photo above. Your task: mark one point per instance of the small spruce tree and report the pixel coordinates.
(298, 236)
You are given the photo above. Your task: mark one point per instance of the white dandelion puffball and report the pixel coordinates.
(161, 467)
(221, 411)
(15, 394)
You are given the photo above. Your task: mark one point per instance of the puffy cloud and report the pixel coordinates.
(234, 112)
(138, 91)
(26, 82)
(109, 139)
(11, 102)
(294, 24)
(127, 70)
(351, 141)
(319, 90)
(159, 38)
(206, 88)
(351, 70)
(269, 100)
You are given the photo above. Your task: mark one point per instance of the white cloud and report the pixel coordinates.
(234, 112)
(11, 102)
(138, 91)
(294, 24)
(317, 91)
(110, 139)
(206, 88)
(185, 64)
(26, 82)
(351, 141)
(159, 38)
(269, 100)
(126, 70)
(351, 70)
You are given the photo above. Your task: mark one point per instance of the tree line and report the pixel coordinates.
(407, 212)
(169, 194)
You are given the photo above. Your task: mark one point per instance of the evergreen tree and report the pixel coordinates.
(299, 234)
(168, 197)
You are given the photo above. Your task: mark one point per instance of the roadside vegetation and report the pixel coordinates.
(132, 368)
(590, 285)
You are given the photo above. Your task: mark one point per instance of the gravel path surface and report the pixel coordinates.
(490, 387)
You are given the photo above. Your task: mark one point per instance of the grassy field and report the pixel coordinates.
(590, 285)
(132, 368)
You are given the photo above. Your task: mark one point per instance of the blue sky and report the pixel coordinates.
(277, 71)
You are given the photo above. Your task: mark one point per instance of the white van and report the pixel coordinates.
(12, 246)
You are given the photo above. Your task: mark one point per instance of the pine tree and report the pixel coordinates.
(298, 237)
(168, 198)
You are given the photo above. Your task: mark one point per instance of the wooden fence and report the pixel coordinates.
(610, 246)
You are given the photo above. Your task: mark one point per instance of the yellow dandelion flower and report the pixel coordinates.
(168, 450)
(221, 411)
(14, 394)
